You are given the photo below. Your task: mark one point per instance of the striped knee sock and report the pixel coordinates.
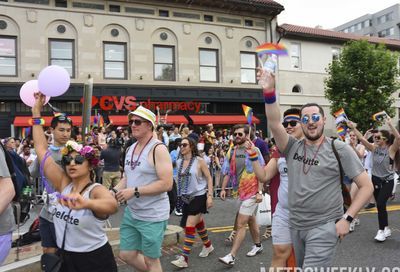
(190, 233)
(202, 231)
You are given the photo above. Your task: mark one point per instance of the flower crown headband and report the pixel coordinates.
(86, 151)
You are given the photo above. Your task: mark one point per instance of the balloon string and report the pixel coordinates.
(45, 182)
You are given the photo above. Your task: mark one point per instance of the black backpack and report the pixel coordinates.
(20, 176)
(173, 193)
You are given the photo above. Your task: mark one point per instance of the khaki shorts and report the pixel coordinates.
(248, 206)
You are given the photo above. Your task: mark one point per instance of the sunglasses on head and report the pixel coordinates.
(64, 118)
(315, 117)
(136, 122)
(292, 123)
(78, 159)
(184, 145)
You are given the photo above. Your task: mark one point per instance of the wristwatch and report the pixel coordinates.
(348, 218)
(136, 193)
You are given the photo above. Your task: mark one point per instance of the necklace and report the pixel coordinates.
(183, 177)
(134, 163)
(305, 171)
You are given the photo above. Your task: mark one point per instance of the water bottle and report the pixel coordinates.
(270, 64)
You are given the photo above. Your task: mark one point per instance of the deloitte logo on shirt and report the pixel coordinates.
(307, 161)
(64, 216)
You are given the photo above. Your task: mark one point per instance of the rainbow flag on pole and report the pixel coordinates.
(271, 48)
(248, 112)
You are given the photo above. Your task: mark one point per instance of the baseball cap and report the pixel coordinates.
(144, 113)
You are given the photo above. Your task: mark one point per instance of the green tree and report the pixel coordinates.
(362, 81)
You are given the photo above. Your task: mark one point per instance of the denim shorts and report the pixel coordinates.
(47, 233)
(143, 236)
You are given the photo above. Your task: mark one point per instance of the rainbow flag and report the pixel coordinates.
(379, 116)
(271, 48)
(248, 112)
(341, 131)
(25, 132)
(340, 112)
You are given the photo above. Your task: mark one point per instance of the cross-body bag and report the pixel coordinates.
(52, 262)
(345, 190)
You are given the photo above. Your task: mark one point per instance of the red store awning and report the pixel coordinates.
(122, 120)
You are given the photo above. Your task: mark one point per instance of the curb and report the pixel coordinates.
(30, 255)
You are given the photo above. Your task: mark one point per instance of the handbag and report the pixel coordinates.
(263, 215)
(51, 262)
(187, 199)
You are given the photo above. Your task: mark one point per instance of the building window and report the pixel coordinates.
(209, 65)
(386, 32)
(61, 3)
(352, 28)
(115, 8)
(208, 18)
(359, 26)
(335, 53)
(8, 56)
(163, 13)
(248, 22)
(164, 63)
(368, 23)
(248, 64)
(114, 60)
(297, 89)
(346, 30)
(62, 54)
(295, 55)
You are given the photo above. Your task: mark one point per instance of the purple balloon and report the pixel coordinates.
(53, 80)
(27, 92)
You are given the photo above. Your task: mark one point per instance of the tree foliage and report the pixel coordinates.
(362, 81)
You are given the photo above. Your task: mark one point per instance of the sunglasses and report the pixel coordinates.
(240, 134)
(137, 122)
(64, 118)
(379, 137)
(183, 145)
(291, 123)
(315, 117)
(79, 159)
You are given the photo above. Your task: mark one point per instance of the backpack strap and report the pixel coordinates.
(154, 153)
(338, 159)
(11, 169)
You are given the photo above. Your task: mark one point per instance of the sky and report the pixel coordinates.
(328, 13)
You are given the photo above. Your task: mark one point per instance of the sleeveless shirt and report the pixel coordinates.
(197, 184)
(85, 231)
(381, 163)
(154, 208)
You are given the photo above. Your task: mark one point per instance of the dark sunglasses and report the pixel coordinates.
(240, 134)
(291, 123)
(79, 159)
(183, 145)
(315, 117)
(379, 137)
(64, 118)
(137, 122)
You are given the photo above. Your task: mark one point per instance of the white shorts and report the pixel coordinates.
(280, 231)
(248, 206)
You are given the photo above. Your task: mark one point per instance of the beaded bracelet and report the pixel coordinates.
(270, 97)
(36, 121)
(253, 157)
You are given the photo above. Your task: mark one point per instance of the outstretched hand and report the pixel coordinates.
(266, 80)
(40, 100)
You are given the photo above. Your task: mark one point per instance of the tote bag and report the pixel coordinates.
(263, 215)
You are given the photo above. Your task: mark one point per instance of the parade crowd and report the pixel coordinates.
(317, 185)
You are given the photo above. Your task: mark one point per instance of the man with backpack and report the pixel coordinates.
(315, 201)
(61, 127)
(7, 193)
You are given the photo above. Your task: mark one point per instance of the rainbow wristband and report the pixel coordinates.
(253, 157)
(270, 97)
(36, 121)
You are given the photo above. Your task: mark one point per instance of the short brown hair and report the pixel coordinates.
(246, 128)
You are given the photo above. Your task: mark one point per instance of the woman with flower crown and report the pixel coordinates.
(83, 205)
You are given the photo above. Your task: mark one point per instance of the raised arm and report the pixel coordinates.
(362, 139)
(396, 142)
(52, 171)
(267, 82)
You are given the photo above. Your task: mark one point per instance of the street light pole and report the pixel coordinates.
(87, 106)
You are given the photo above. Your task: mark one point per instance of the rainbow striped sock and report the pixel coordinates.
(202, 231)
(190, 233)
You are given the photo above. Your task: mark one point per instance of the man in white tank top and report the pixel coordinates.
(144, 187)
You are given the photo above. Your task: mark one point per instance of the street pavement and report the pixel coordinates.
(358, 249)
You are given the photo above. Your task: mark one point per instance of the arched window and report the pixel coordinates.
(297, 89)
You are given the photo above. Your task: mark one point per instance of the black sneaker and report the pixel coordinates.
(370, 206)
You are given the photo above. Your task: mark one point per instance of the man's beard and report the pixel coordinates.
(240, 142)
(313, 138)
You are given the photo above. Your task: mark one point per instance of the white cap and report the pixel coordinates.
(145, 114)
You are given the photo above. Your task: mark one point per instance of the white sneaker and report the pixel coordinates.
(178, 213)
(356, 221)
(387, 232)
(180, 262)
(228, 260)
(380, 236)
(254, 251)
(206, 251)
(352, 226)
